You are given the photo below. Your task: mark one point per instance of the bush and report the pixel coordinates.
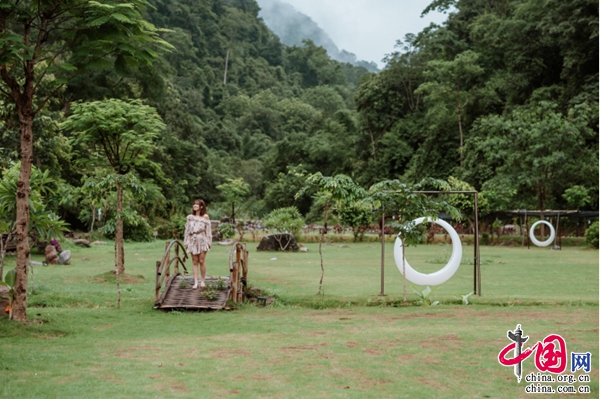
(285, 220)
(41, 246)
(227, 230)
(135, 228)
(591, 235)
(358, 217)
(485, 238)
(173, 228)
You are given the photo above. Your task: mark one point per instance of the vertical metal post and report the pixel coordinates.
(476, 265)
(381, 293)
(527, 229)
(522, 231)
(558, 232)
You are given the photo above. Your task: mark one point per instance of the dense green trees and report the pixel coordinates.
(490, 62)
(117, 135)
(282, 106)
(43, 46)
(503, 96)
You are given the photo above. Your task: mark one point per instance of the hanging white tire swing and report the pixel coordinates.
(538, 242)
(441, 275)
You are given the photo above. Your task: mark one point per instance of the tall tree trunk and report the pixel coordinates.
(93, 209)
(373, 146)
(119, 252)
(403, 265)
(22, 226)
(460, 130)
(320, 251)
(3, 245)
(372, 140)
(226, 62)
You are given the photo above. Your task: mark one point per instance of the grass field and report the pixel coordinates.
(348, 343)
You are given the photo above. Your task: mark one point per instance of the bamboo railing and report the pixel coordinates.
(163, 267)
(175, 286)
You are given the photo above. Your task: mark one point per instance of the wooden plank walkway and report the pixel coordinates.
(179, 294)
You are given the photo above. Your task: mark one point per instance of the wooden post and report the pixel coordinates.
(234, 282)
(557, 232)
(238, 260)
(176, 269)
(381, 292)
(167, 261)
(245, 273)
(527, 229)
(476, 262)
(157, 288)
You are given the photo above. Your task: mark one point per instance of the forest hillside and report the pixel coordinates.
(293, 27)
(502, 98)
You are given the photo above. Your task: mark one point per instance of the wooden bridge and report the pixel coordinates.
(174, 285)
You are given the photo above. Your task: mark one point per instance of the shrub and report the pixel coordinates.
(285, 220)
(591, 235)
(358, 216)
(227, 230)
(485, 238)
(135, 228)
(171, 228)
(41, 246)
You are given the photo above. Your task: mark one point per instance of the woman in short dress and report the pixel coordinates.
(198, 239)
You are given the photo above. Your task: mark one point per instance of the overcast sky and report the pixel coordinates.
(368, 28)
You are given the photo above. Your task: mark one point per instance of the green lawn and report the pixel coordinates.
(344, 344)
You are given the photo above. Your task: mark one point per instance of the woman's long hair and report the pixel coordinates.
(202, 209)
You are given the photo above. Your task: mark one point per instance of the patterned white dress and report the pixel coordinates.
(198, 234)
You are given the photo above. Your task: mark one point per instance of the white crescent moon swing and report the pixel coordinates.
(441, 275)
(536, 241)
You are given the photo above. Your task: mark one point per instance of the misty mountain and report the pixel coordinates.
(292, 27)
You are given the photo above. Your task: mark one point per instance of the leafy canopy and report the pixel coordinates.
(45, 223)
(285, 220)
(120, 133)
(403, 200)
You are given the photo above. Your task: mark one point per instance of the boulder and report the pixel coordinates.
(64, 258)
(51, 255)
(82, 242)
(3, 301)
(276, 242)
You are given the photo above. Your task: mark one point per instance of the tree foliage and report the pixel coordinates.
(43, 46)
(406, 204)
(334, 190)
(43, 223)
(501, 96)
(119, 135)
(285, 220)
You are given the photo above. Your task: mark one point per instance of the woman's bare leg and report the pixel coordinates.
(195, 261)
(202, 260)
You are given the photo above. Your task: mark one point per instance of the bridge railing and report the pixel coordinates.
(163, 267)
(238, 268)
